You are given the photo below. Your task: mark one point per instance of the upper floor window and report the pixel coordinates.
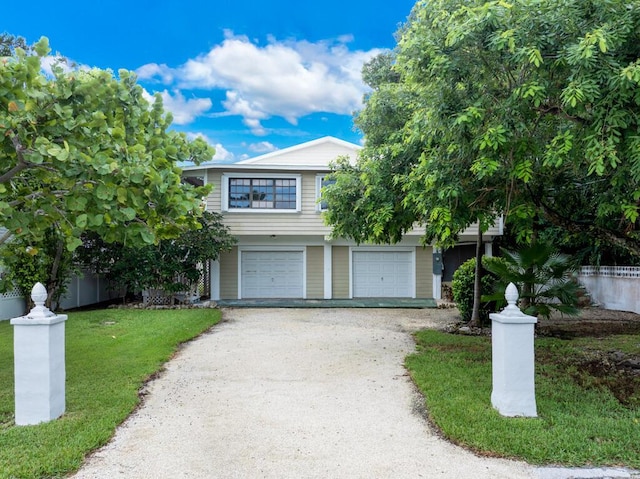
(257, 193)
(321, 182)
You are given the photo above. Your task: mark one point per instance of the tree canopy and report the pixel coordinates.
(526, 109)
(83, 150)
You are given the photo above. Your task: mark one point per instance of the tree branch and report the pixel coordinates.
(558, 111)
(22, 163)
(613, 237)
(5, 237)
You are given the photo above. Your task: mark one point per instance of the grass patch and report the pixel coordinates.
(579, 423)
(109, 355)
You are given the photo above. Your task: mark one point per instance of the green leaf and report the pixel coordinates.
(42, 47)
(129, 213)
(104, 192)
(96, 220)
(535, 57)
(73, 243)
(147, 236)
(122, 195)
(81, 221)
(76, 203)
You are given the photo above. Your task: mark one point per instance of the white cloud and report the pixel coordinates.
(222, 154)
(262, 147)
(289, 79)
(153, 70)
(184, 110)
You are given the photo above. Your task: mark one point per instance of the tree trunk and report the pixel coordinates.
(477, 284)
(54, 281)
(527, 288)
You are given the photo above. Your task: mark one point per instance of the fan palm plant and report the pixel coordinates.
(544, 278)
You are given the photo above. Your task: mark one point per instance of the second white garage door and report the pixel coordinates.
(383, 274)
(272, 274)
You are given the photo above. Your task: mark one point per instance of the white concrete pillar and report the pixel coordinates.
(437, 274)
(39, 362)
(214, 279)
(513, 359)
(328, 270)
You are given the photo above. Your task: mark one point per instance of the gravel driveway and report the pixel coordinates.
(292, 393)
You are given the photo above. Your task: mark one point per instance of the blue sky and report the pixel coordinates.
(251, 77)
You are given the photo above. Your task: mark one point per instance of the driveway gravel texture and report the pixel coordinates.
(292, 393)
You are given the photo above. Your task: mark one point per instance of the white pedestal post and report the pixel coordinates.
(513, 363)
(39, 361)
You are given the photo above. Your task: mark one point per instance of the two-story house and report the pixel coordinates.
(270, 204)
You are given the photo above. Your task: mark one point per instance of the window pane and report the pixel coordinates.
(239, 190)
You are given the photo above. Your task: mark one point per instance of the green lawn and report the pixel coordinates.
(580, 422)
(110, 353)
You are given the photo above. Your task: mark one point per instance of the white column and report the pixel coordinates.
(437, 286)
(214, 280)
(437, 280)
(328, 271)
(39, 362)
(513, 366)
(488, 249)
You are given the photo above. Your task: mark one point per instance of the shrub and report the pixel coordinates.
(462, 286)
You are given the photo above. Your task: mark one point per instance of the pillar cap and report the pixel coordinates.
(39, 314)
(512, 314)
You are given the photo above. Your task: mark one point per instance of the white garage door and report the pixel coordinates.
(272, 274)
(383, 274)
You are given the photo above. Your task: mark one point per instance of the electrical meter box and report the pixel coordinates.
(437, 263)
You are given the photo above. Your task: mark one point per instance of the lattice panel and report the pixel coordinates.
(13, 294)
(157, 298)
(611, 271)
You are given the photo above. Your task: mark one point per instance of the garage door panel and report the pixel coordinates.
(272, 274)
(383, 274)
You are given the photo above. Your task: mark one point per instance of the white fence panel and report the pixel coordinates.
(83, 290)
(12, 304)
(613, 287)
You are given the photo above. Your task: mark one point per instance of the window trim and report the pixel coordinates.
(260, 176)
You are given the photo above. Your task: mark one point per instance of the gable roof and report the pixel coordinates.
(315, 154)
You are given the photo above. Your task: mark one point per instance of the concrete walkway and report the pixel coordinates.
(293, 393)
(403, 303)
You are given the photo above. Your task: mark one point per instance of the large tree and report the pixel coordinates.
(527, 109)
(82, 150)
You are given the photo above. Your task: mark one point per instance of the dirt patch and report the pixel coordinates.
(592, 322)
(614, 370)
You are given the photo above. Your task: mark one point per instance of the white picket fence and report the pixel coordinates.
(83, 290)
(613, 287)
